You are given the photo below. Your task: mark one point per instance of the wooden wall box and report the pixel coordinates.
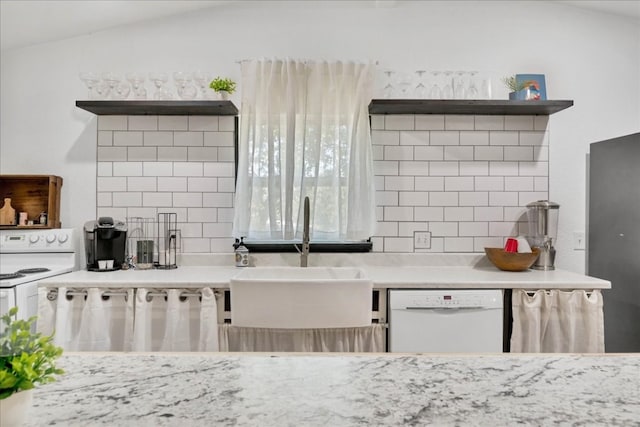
(33, 194)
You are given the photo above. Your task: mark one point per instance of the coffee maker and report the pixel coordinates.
(543, 231)
(105, 242)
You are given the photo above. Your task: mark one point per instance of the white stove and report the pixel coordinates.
(27, 256)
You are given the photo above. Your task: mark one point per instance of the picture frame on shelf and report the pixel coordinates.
(536, 85)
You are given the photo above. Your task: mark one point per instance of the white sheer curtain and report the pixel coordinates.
(304, 131)
(175, 322)
(94, 322)
(556, 321)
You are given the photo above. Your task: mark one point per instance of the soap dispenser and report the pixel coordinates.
(242, 253)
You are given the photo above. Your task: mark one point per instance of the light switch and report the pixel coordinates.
(579, 240)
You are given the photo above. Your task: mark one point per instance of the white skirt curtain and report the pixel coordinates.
(175, 322)
(360, 339)
(556, 321)
(304, 131)
(90, 321)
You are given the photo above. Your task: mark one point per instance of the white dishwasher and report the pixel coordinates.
(445, 321)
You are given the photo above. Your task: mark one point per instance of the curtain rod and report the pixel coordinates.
(52, 294)
(240, 61)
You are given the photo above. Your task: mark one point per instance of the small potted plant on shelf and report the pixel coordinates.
(519, 90)
(26, 359)
(223, 86)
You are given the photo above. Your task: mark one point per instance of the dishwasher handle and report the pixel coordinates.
(478, 307)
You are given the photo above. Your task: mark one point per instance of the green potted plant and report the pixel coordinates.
(223, 86)
(26, 359)
(518, 89)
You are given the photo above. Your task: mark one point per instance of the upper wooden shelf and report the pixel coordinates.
(159, 108)
(461, 106)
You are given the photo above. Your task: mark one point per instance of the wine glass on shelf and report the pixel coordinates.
(112, 80)
(420, 89)
(405, 84)
(94, 85)
(159, 79)
(137, 85)
(447, 89)
(435, 92)
(202, 79)
(472, 90)
(389, 91)
(459, 91)
(121, 91)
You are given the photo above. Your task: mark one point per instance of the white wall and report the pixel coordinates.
(589, 57)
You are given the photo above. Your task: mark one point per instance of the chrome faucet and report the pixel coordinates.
(304, 255)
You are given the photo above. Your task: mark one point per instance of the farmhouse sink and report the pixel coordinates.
(301, 297)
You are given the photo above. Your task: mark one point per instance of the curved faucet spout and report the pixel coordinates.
(304, 255)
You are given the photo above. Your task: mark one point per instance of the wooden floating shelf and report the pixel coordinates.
(159, 108)
(477, 107)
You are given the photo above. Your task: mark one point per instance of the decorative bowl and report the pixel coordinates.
(511, 261)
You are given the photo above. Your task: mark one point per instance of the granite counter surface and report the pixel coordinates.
(206, 389)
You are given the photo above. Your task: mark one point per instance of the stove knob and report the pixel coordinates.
(51, 238)
(62, 238)
(34, 238)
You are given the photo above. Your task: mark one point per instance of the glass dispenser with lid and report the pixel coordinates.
(543, 231)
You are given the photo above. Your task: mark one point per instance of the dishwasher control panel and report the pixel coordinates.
(417, 299)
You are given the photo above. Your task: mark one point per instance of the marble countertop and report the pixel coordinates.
(450, 277)
(205, 389)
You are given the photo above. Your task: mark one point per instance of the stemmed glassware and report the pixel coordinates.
(202, 79)
(137, 83)
(159, 80)
(183, 84)
(447, 90)
(97, 89)
(404, 83)
(420, 89)
(389, 90)
(460, 92)
(472, 91)
(435, 92)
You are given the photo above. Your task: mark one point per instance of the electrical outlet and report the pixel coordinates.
(422, 240)
(579, 243)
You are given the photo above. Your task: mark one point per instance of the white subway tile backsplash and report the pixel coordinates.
(458, 122)
(414, 168)
(217, 229)
(115, 213)
(142, 213)
(414, 138)
(541, 183)
(224, 246)
(540, 122)
(202, 184)
(458, 153)
(458, 244)
(458, 214)
(157, 139)
(172, 183)
(442, 229)
(386, 228)
(474, 138)
(105, 137)
(105, 168)
(431, 183)
(218, 139)
(489, 183)
(377, 152)
(104, 199)
(479, 243)
(190, 229)
(195, 215)
(503, 198)
(111, 184)
(430, 213)
(475, 168)
(428, 153)
(482, 213)
(188, 200)
(534, 168)
(226, 185)
(145, 183)
(198, 123)
(488, 153)
(399, 183)
(226, 154)
(227, 123)
(219, 169)
(429, 122)
(157, 169)
(503, 168)
(143, 123)
(473, 229)
(528, 197)
(443, 199)
(127, 199)
(377, 122)
(206, 154)
(128, 138)
(444, 168)
(541, 154)
(398, 152)
(518, 122)
(387, 198)
(503, 138)
(385, 167)
(473, 198)
(187, 169)
(142, 154)
(413, 198)
(176, 154)
(406, 229)
(518, 153)
(504, 229)
(195, 245)
(127, 168)
(458, 183)
(163, 200)
(384, 137)
(515, 213)
(112, 154)
(534, 138)
(398, 244)
(518, 183)
(217, 200)
(489, 123)
(173, 122)
(445, 138)
(225, 214)
(399, 122)
(398, 213)
(112, 122)
(190, 139)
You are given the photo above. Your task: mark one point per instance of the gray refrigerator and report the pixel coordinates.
(613, 250)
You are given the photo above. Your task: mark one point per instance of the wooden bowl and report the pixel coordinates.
(511, 261)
